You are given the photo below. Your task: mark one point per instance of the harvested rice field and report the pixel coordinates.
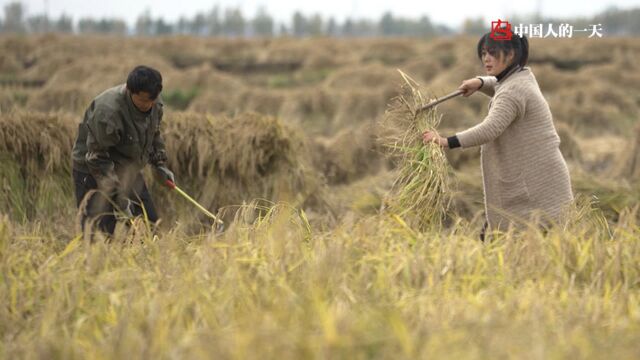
(345, 236)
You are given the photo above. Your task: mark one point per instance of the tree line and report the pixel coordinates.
(231, 22)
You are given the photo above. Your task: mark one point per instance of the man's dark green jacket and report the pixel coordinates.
(117, 140)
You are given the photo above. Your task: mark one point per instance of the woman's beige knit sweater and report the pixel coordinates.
(523, 171)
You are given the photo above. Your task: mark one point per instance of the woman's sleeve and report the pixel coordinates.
(488, 85)
(504, 110)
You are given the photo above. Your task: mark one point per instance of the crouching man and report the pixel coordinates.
(118, 136)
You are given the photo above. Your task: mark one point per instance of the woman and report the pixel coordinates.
(523, 171)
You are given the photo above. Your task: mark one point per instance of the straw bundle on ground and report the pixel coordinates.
(204, 78)
(452, 78)
(55, 52)
(72, 87)
(287, 51)
(420, 194)
(350, 155)
(358, 106)
(594, 108)
(216, 102)
(361, 92)
(629, 164)
(35, 152)
(313, 108)
(12, 99)
(266, 102)
(16, 52)
(390, 52)
(99, 73)
(362, 77)
(38, 141)
(319, 60)
(582, 52)
(231, 160)
(444, 50)
(69, 97)
(424, 68)
(569, 145)
(551, 79)
(623, 74)
(9, 64)
(182, 51)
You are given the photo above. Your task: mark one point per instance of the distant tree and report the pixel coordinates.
(64, 24)
(315, 25)
(160, 27)
(387, 24)
(214, 24)
(102, 26)
(118, 27)
(87, 25)
(444, 30)
(617, 21)
(234, 23)
(365, 28)
(198, 25)
(348, 28)
(38, 24)
(332, 27)
(477, 26)
(425, 27)
(299, 24)
(283, 30)
(14, 18)
(262, 23)
(182, 27)
(144, 24)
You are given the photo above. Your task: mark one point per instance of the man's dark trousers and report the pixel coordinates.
(102, 210)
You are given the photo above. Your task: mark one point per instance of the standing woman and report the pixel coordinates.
(523, 171)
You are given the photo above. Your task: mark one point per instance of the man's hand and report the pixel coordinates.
(433, 136)
(163, 174)
(470, 86)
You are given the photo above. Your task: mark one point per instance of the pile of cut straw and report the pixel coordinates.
(420, 195)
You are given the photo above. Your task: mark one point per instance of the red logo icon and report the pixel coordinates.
(500, 30)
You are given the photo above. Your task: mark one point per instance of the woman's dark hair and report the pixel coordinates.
(519, 45)
(145, 79)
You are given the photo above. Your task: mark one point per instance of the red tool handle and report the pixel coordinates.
(170, 184)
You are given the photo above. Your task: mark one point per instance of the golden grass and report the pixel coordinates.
(275, 288)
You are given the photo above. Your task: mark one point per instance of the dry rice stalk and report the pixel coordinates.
(229, 161)
(420, 194)
(39, 142)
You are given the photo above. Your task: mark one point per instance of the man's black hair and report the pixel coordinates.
(519, 45)
(145, 79)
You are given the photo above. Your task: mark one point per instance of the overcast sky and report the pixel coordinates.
(450, 13)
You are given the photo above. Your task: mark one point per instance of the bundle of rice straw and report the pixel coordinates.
(420, 194)
(227, 161)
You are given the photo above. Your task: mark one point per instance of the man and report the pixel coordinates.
(119, 135)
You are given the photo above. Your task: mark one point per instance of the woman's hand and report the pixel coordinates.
(470, 86)
(433, 136)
